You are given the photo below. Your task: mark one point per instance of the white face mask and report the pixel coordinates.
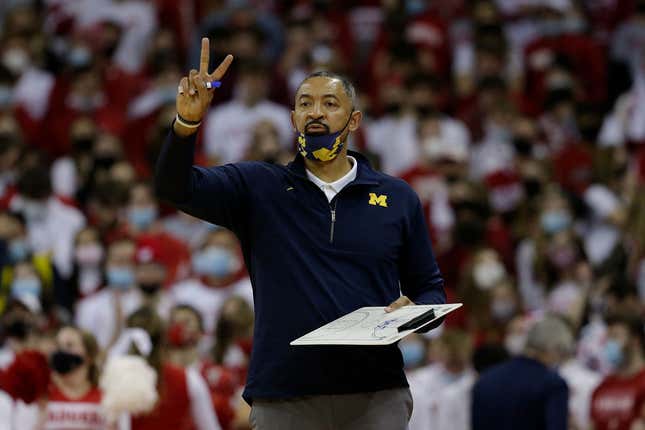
(16, 60)
(35, 210)
(514, 343)
(487, 274)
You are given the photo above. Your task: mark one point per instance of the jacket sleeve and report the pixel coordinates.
(557, 410)
(420, 276)
(216, 194)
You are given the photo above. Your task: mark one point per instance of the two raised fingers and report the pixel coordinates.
(197, 80)
(204, 60)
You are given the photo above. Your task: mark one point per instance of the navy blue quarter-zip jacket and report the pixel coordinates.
(311, 261)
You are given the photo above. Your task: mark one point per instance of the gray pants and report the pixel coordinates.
(386, 410)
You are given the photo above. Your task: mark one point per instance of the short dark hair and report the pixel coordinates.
(191, 309)
(632, 322)
(347, 84)
(34, 182)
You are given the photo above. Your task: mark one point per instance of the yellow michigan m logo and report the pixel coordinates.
(380, 200)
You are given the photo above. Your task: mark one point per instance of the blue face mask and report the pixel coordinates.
(613, 353)
(413, 354)
(120, 278)
(322, 147)
(555, 221)
(214, 261)
(142, 218)
(18, 250)
(25, 286)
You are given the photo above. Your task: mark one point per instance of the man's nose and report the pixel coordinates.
(315, 112)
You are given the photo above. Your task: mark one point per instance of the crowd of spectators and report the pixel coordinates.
(519, 123)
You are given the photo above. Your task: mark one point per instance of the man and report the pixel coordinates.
(525, 392)
(619, 401)
(321, 237)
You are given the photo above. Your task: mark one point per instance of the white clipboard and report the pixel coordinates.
(373, 326)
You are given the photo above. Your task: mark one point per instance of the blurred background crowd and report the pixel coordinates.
(519, 123)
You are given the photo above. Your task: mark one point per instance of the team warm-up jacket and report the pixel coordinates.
(311, 261)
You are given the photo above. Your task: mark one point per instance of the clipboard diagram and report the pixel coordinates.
(374, 326)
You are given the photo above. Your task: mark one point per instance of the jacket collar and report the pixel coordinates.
(365, 175)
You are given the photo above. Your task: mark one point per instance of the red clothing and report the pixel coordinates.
(618, 402)
(588, 61)
(223, 383)
(424, 180)
(27, 377)
(64, 413)
(573, 166)
(174, 254)
(173, 409)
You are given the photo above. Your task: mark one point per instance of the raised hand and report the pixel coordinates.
(193, 96)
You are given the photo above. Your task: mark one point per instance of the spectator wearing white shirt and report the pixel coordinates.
(393, 136)
(234, 121)
(582, 382)
(51, 224)
(219, 274)
(429, 384)
(454, 409)
(104, 312)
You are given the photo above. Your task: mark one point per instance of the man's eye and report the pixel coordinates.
(330, 104)
(305, 104)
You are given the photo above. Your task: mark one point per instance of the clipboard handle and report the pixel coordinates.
(417, 321)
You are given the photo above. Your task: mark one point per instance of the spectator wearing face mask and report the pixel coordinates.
(428, 384)
(70, 172)
(538, 259)
(17, 253)
(619, 401)
(582, 382)
(392, 136)
(51, 225)
(414, 349)
(185, 330)
(142, 223)
(226, 369)
(89, 258)
(183, 402)
(19, 322)
(27, 282)
(235, 120)
(219, 273)
(104, 312)
(488, 295)
(525, 392)
(68, 397)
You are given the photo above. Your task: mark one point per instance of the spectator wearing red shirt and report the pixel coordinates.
(183, 402)
(619, 401)
(142, 215)
(68, 396)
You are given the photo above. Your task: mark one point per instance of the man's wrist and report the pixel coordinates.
(183, 131)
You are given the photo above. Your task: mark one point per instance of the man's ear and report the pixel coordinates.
(293, 121)
(355, 120)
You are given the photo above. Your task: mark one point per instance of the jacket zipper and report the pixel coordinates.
(333, 221)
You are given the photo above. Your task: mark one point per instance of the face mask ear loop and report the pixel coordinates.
(348, 120)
